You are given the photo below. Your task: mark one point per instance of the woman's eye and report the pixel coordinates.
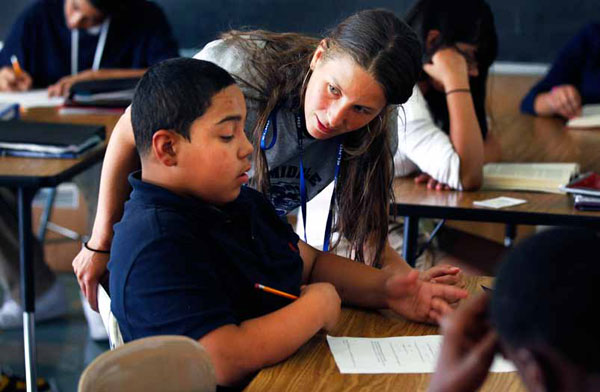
(361, 110)
(227, 138)
(334, 90)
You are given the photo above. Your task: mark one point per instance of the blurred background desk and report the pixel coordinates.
(312, 367)
(27, 176)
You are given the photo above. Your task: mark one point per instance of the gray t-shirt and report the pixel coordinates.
(319, 156)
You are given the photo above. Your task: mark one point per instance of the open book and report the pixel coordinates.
(540, 177)
(590, 118)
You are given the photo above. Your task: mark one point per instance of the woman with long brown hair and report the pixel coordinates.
(318, 111)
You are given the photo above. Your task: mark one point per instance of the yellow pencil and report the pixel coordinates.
(259, 286)
(16, 66)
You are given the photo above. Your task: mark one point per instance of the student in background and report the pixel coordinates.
(573, 79)
(193, 241)
(544, 294)
(311, 102)
(60, 42)
(106, 38)
(446, 124)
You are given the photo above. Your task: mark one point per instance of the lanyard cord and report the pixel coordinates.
(99, 48)
(272, 120)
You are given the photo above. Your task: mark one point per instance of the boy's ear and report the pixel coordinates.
(164, 147)
(432, 40)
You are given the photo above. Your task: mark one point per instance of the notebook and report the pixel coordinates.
(586, 184)
(590, 118)
(48, 140)
(540, 177)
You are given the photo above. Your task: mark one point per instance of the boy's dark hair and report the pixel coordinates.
(172, 95)
(546, 293)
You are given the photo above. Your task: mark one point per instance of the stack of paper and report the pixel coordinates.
(31, 99)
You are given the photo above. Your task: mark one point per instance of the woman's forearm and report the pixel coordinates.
(466, 138)
(121, 158)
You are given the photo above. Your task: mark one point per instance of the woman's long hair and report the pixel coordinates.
(387, 49)
(468, 21)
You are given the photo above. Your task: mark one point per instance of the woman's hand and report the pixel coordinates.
(63, 86)
(468, 348)
(431, 182)
(89, 267)
(9, 81)
(444, 274)
(449, 68)
(420, 301)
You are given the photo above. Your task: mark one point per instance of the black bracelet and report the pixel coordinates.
(86, 246)
(458, 90)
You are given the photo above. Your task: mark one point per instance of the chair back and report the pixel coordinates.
(159, 363)
(108, 319)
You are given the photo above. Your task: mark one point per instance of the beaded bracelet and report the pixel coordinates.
(86, 246)
(458, 90)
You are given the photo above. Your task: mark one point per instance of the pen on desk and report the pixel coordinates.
(268, 289)
(16, 66)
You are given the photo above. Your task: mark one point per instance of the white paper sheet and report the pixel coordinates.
(499, 202)
(407, 354)
(32, 98)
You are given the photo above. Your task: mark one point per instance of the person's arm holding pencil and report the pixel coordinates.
(14, 78)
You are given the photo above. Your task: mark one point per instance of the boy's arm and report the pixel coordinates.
(361, 285)
(237, 351)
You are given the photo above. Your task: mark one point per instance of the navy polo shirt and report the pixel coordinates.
(41, 40)
(578, 64)
(185, 267)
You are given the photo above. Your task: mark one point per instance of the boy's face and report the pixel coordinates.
(214, 164)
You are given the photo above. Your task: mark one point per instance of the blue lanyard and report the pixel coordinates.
(272, 120)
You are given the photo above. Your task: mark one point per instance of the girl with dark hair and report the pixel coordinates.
(318, 112)
(445, 116)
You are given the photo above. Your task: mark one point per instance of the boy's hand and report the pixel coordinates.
(444, 274)
(421, 301)
(9, 81)
(329, 302)
(468, 348)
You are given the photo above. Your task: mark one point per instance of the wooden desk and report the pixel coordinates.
(28, 175)
(312, 368)
(523, 139)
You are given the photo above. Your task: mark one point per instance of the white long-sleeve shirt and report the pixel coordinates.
(423, 146)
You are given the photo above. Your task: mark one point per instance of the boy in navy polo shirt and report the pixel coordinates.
(193, 241)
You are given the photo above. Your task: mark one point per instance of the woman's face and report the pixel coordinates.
(80, 14)
(340, 97)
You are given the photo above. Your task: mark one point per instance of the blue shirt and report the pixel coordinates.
(41, 41)
(578, 64)
(181, 266)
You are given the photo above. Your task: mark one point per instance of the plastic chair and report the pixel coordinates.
(108, 319)
(158, 363)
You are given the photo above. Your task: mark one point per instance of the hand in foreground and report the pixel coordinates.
(420, 301)
(9, 81)
(63, 86)
(330, 302)
(425, 178)
(444, 274)
(564, 100)
(89, 267)
(468, 348)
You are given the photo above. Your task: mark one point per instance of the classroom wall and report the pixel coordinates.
(529, 31)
